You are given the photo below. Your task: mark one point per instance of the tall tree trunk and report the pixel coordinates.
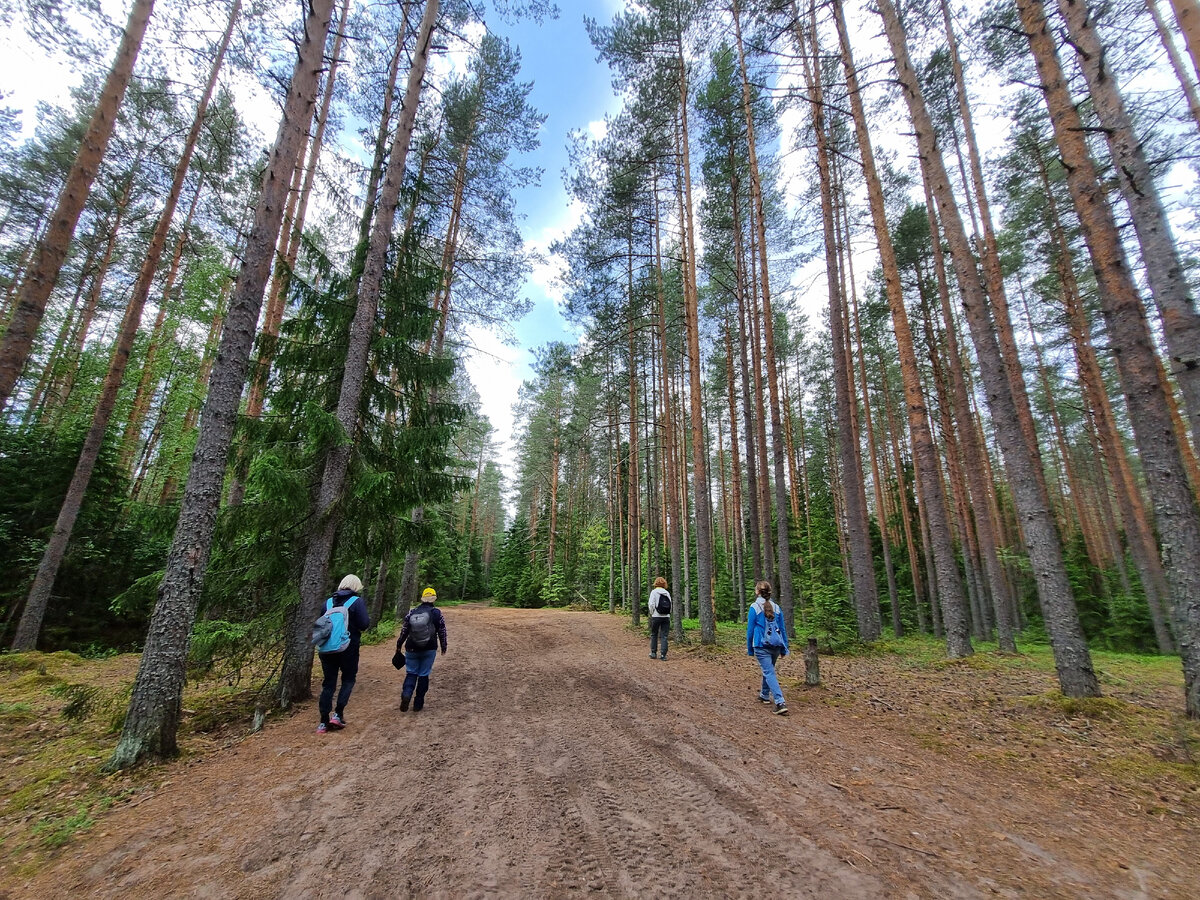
(862, 567)
(783, 553)
(296, 673)
(1185, 81)
(52, 248)
(141, 400)
(1187, 14)
(1164, 268)
(1072, 659)
(39, 594)
(269, 333)
(755, 521)
(708, 628)
(156, 704)
(1157, 441)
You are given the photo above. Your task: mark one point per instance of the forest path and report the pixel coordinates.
(554, 758)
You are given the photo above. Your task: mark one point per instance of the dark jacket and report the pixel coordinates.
(439, 623)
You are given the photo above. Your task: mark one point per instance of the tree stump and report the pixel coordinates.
(812, 665)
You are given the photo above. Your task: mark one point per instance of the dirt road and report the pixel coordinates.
(555, 759)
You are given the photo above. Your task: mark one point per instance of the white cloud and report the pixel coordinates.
(495, 369)
(598, 129)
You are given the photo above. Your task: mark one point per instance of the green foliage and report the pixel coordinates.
(113, 546)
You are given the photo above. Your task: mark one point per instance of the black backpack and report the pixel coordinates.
(422, 634)
(663, 606)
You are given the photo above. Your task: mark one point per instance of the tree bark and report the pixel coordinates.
(1129, 334)
(862, 568)
(296, 674)
(1072, 659)
(52, 248)
(156, 704)
(1164, 268)
(30, 625)
(783, 553)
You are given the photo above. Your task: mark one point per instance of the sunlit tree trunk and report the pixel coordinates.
(1186, 84)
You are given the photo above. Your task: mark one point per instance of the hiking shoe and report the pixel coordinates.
(762, 699)
(404, 704)
(781, 709)
(322, 728)
(335, 722)
(654, 656)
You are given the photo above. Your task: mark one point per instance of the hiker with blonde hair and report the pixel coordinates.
(424, 628)
(344, 661)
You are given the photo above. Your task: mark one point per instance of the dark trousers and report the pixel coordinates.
(659, 628)
(333, 664)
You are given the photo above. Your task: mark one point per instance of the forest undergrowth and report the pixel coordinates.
(60, 716)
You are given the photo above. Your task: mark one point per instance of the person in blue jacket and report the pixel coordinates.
(345, 662)
(766, 641)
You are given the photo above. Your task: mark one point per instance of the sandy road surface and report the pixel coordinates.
(555, 759)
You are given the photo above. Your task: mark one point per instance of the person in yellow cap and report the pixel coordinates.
(424, 628)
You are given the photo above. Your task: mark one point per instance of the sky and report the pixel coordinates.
(569, 87)
(574, 92)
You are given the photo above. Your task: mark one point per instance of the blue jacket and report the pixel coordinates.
(756, 621)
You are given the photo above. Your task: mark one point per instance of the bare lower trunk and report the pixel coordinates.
(156, 704)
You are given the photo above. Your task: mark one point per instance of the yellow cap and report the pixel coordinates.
(428, 592)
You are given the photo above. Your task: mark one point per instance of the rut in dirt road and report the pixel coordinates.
(555, 759)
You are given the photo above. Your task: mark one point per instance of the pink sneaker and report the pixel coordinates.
(322, 728)
(335, 721)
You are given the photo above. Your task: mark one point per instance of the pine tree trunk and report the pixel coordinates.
(708, 632)
(52, 248)
(1164, 268)
(1185, 81)
(1129, 335)
(862, 568)
(141, 400)
(755, 522)
(1072, 659)
(296, 674)
(156, 704)
(783, 553)
(30, 625)
(1187, 14)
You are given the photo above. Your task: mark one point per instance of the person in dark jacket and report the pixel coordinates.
(345, 662)
(424, 628)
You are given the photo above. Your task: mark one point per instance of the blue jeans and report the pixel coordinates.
(417, 666)
(659, 628)
(767, 657)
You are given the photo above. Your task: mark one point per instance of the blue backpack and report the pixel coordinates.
(772, 634)
(331, 632)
